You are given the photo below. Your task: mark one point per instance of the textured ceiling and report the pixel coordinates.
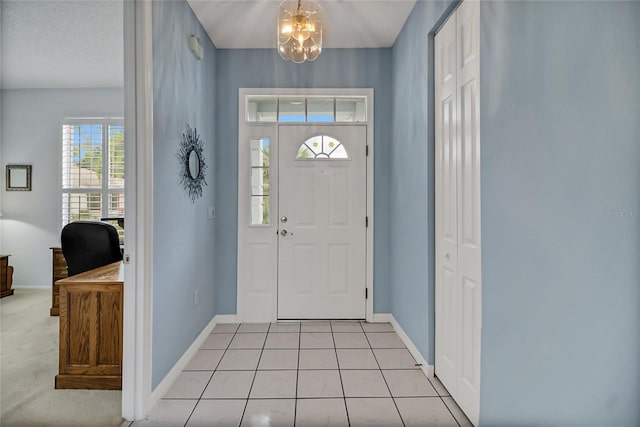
(241, 24)
(78, 43)
(62, 44)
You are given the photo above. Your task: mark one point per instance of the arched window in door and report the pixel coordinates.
(322, 147)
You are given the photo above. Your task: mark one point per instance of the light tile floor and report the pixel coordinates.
(305, 374)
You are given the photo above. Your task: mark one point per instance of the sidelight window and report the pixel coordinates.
(260, 181)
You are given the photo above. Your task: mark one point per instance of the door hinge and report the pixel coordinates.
(366, 293)
(366, 221)
(366, 150)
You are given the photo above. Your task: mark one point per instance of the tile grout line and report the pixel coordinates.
(307, 398)
(255, 373)
(211, 377)
(295, 400)
(344, 397)
(442, 400)
(307, 369)
(448, 409)
(298, 369)
(385, 381)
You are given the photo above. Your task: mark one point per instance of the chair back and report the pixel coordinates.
(89, 244)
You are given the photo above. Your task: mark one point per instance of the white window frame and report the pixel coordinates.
(306, 98)
(105, 191)
(263, 308)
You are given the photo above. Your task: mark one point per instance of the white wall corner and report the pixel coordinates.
(226, 318)
(388, 318)
(182, 363)
(382, 318)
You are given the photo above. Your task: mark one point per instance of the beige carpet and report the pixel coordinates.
(28, 365)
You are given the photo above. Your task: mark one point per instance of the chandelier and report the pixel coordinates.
(299, 31)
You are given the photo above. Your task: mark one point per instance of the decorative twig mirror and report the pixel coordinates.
(192, 163)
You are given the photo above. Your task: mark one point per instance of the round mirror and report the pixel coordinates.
(194, 164)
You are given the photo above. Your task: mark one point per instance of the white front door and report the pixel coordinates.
(322, 222)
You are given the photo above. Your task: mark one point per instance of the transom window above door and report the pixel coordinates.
(316, 109)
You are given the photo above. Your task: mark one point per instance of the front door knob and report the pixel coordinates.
(283, 233)
(283, 219)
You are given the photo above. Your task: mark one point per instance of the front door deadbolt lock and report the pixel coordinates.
(285, 233)
(283, 219)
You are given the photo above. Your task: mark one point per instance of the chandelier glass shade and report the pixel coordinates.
(299, 30)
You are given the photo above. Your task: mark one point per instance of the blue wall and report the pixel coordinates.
(183, 247)
(560, 201)
(560, 132)
(263, 68)
(412, 173)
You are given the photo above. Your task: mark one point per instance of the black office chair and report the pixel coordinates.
(89, 244)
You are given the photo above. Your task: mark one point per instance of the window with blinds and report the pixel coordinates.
(93, 170)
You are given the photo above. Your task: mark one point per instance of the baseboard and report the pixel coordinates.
(226, 318)
(31, 288)
(388, 318)
(382, 317)
(177, 369)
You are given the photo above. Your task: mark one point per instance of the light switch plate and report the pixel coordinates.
(211, 213)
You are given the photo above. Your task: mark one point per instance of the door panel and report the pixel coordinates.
(339, 263)
(304, 185)
(446, 230)
(339, 196)
(322, 241)
(469, 161)
(259, 268)
(469, 256)
(457, 186)
(305, 258)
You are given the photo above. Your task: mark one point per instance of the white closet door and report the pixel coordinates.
(458, 248)
(446, 229)
(469, 256)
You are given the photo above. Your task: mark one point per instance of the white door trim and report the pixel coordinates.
(264, 307)
(138, 298)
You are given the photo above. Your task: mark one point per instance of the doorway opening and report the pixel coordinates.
(305, 204)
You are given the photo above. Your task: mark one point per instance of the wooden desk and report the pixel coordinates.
(91, 329)
(58, 271)
(6, 276)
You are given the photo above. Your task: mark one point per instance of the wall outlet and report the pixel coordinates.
(195, 298)
(211, 213)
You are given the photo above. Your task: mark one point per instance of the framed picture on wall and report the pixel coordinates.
(18, 177)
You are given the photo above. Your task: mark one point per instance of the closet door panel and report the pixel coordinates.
(457, 217)
(468, 215)
(446, 230)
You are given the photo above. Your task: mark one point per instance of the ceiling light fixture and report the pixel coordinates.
(299, 30)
